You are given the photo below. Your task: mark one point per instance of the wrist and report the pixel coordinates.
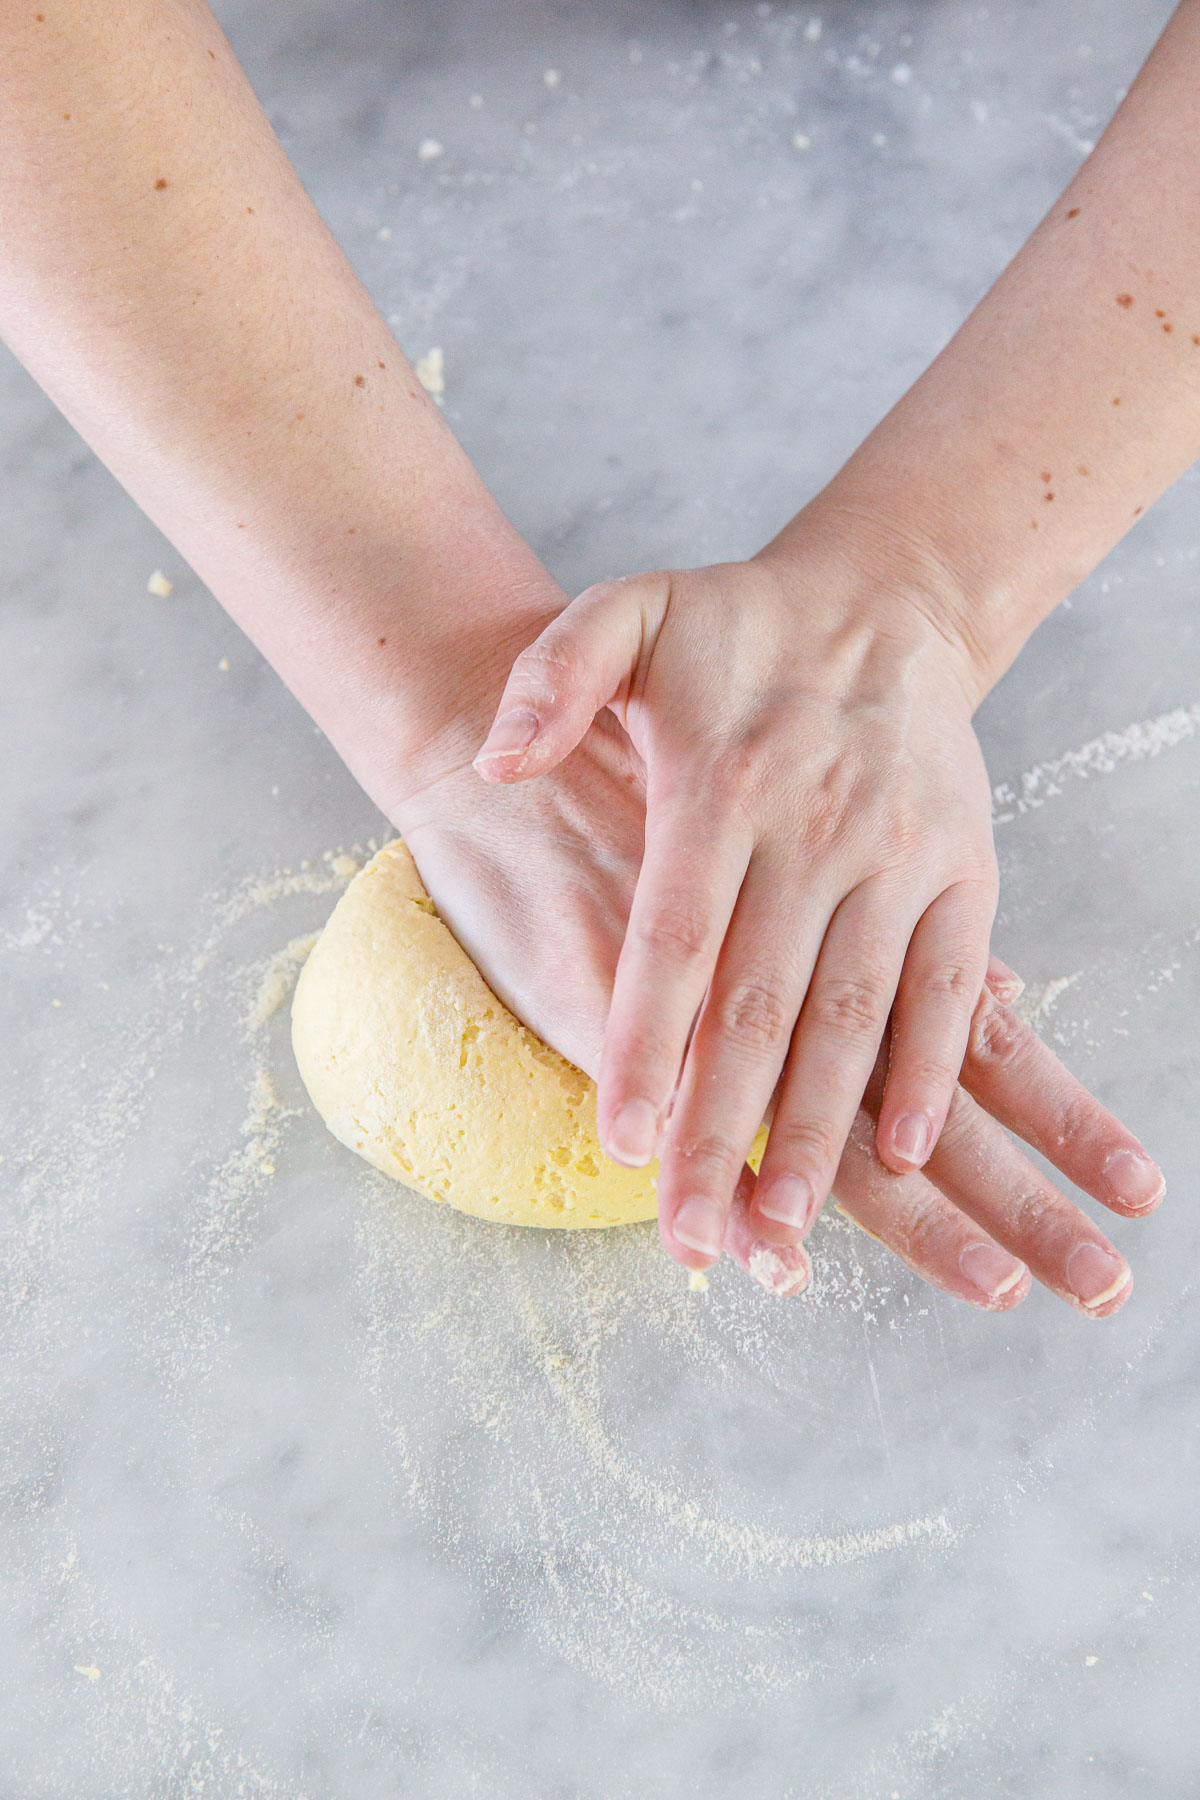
(399, 647)
(896, 583)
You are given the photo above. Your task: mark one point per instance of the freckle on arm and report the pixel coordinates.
(360, 381)
(1073, 212)
(160, 184)
(1125, 300)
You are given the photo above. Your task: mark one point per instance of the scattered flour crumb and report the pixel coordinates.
(431, 371)
(697, 1281)
(158, 584)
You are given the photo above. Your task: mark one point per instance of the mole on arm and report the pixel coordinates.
(360, 381)
(160, 183)
(1125, 300)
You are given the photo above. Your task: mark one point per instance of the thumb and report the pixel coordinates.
(558, 685)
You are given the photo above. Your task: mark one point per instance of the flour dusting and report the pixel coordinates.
(1137, 743)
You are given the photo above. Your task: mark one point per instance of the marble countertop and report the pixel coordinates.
(311, 1490)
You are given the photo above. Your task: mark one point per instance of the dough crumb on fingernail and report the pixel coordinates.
(782, 1272)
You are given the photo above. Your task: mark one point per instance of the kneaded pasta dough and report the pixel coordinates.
(413, 1062)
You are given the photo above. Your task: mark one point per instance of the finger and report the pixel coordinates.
(924, 1229)
(940, 983)
(979, 1168)
(1020, 1081)
(559, 683)
(836, 1042)
(1004, 983)
(686, 892)
(732, 1064)
(783, 1269)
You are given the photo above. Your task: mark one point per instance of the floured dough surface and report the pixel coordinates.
(413, 1062)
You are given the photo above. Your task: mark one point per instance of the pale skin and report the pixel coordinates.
(168, 282)
(819, 853)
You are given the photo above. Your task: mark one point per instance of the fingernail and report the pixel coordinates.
(992, 1270)
(1095, 1274)
(700, 1225)
(782, 1270)
(1134, 1179)
(911, 1136)
(513, 732)
(789, 1200)
(1005, 984)
(633, 1134)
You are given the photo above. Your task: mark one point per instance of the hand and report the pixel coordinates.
(536, 883)
(980, 1205)
(818, 857)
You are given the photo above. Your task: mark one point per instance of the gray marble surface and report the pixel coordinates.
(311, 1491)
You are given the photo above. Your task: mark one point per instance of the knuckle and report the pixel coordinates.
(924, 1231)
(711, 1156)
(852, 1006)
(998, 1038)
(753, 1014)
(548, 669)
(1078, 1119)
(677, 929)
(930, 1074)
(824, 815)
(730, 780)
(645, 1055)
(957, 980)
(805, 1144)
(1031, 1211)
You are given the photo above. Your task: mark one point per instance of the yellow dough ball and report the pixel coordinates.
(412, 1061)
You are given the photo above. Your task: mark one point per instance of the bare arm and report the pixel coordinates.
(1069, 400)
(167, 280)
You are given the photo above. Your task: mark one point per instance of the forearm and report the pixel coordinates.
(1068, 401)
(169, 283)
